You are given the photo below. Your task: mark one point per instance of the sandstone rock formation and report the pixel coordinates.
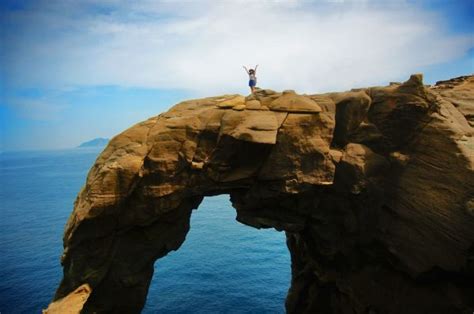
(374, 188)
(72, 303)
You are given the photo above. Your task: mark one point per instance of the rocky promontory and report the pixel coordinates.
(373, 187)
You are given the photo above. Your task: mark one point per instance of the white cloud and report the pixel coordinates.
(202, 46)
(41, 109)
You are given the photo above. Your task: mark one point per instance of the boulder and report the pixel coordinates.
(292, 102)
(232, 102)
(251, 126)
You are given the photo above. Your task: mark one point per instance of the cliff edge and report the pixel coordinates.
(374, 188)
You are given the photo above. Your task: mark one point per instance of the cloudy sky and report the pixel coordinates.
(71, 71)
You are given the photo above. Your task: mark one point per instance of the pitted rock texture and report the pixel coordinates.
(374, 188)
(72, 303)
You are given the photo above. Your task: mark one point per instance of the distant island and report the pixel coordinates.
(97, 142)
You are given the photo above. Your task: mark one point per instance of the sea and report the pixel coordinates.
(222, 267)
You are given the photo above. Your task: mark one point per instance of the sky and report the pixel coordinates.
(71, 71)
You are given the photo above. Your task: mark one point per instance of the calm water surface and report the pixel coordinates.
(223, 266)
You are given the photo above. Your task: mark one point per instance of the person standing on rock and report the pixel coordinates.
(252, 78)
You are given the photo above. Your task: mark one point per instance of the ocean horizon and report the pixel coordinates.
(222, 267)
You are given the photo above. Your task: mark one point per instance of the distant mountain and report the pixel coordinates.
(97, 142)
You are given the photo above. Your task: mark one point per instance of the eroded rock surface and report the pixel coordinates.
(373, 187)
(72, 303)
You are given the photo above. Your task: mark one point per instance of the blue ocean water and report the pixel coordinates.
(223, 266)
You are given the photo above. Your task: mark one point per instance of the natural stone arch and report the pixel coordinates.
(372, 209)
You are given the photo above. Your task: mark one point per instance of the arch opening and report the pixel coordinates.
(222, 266)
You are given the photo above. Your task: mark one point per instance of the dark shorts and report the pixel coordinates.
(252, 83)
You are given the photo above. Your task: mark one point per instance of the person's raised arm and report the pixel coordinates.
(256, 69)
(245, 69)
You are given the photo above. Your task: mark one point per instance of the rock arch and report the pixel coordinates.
(373, 187)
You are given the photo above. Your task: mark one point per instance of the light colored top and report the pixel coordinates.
(252, 77)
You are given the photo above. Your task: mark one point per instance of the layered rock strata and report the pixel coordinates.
(374, 188)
